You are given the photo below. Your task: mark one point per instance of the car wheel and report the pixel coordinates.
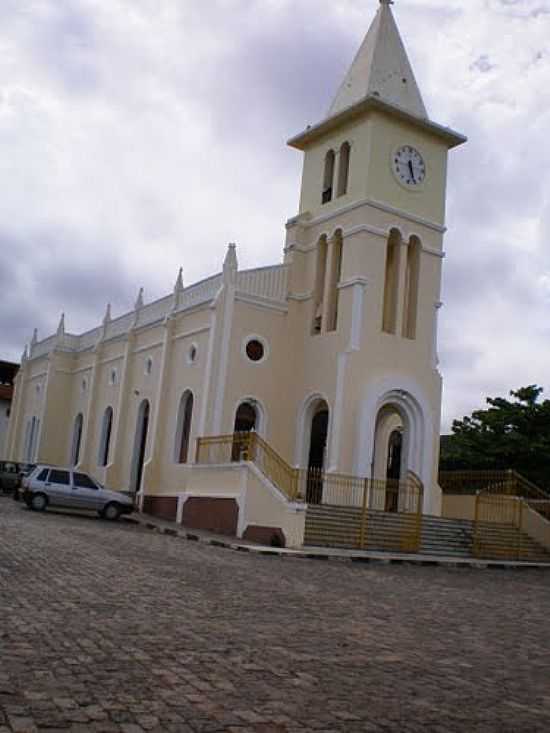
(111, 512)
(39, 502)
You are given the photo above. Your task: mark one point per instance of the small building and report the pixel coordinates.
(8, 372)
(328, 359)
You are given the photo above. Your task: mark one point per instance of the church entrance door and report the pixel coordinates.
(316, 463)
(245, 422)
(393, 473)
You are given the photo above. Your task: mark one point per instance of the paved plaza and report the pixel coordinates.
(109, 627)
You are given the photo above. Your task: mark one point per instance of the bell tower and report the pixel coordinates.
(365, 254)
(377, 142)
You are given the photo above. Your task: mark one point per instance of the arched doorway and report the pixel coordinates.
(317, 451)
(140, 444)
(389, 458)
(246, 418)
(393, 471)
(246, 421)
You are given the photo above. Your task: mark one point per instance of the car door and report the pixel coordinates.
(86, 492)
(58, 488)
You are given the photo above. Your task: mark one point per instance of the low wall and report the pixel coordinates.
(266, 510)
(234, 500)
(459, 506)
(536, 526)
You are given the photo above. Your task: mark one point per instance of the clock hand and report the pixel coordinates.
(412, 171)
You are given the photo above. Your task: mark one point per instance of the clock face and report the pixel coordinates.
(408, 166)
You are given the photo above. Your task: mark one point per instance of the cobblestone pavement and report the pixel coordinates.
(108, 627)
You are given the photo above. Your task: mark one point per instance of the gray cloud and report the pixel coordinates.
(138, 136)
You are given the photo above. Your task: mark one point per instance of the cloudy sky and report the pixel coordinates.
(138, 136)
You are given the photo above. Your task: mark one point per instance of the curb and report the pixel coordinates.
(359, 559)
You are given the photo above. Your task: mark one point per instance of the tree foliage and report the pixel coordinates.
(508, 434)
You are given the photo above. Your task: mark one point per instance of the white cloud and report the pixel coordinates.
(136, 136)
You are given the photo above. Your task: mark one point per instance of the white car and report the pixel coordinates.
(65, 487)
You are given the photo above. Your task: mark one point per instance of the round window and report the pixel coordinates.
(255, 350)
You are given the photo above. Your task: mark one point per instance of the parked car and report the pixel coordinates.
(11, 475)
(63, 487)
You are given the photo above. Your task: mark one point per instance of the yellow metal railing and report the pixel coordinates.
(499, 531)
(370, 497)
(224, 449)
(509, 482)
(509, 513)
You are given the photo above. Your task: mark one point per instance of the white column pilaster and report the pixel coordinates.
(435, 355)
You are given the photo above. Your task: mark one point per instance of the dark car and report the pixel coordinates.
(11, 475)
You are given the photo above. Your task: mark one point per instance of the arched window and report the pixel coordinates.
(77, 439)
(343, 170)
(391, 285)
(320, 277)
(328, 180)
(31, 440)
(183, 428)
(335, 274)
(105, 438)
(410, 309)
(140, 445)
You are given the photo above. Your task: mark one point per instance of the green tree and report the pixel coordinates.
(508, 434)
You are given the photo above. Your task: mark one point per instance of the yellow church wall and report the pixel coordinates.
(261, 381)
(181, 377)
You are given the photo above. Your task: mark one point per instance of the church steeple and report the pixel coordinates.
(382, 69)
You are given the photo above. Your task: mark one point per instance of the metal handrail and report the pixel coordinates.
(303, 483)
(508, 482)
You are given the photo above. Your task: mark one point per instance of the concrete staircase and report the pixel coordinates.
(334, 526)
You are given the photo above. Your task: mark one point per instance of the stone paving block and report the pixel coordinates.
(146, 634)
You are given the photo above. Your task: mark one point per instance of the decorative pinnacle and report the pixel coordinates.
(34, 337)
(386, 2)
(231, 262)
(139, 301)
(61, 327)
(179, 282)
(107, 316)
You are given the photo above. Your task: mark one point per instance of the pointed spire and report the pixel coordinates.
(381, 68)
(34, 339)
(61, 326)
(25, 354)
(139, 300)
(107, 316)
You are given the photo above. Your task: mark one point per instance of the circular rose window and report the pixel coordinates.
(255, 350)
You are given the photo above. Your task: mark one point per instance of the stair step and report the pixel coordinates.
(341, 527)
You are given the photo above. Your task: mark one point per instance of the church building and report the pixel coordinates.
(237, 402)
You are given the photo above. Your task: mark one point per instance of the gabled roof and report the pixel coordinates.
(381, 69)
